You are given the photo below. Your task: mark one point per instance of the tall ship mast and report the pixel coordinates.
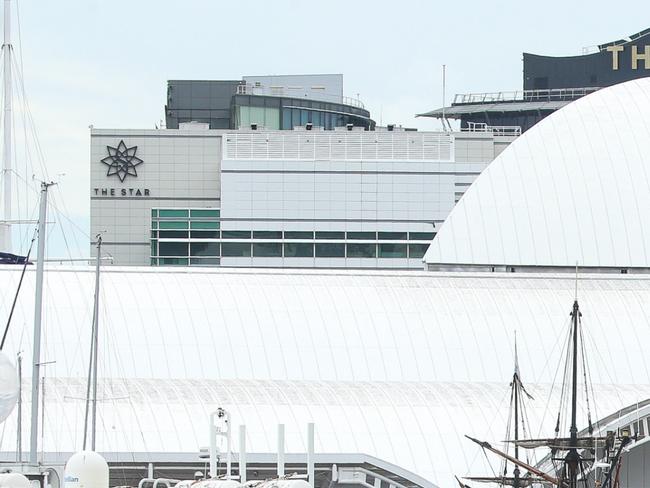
(575, 461)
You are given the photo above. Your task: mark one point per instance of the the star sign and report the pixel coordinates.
(121, 161)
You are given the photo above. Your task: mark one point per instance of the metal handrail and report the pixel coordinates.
(554, 94)
(283, 91)
(503, 130)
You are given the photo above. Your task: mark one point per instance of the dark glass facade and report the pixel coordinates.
(218, 104)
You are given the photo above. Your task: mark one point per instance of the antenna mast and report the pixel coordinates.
(5, 228)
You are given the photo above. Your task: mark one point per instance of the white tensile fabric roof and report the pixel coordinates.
(575, 188)
(395, 365)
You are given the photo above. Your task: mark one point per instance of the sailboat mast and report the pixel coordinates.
(38, 308)
(96, 339)
(5, 242)
(515, 382)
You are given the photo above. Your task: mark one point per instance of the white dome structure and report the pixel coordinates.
(393, 367)
(575, 188)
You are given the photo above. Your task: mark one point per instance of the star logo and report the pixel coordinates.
(121, 161)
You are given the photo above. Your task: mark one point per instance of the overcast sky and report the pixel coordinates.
(106, 63)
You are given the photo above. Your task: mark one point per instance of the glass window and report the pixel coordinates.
(421, 236)
(393, 236)
(298, 234)
(286, 119)
(304, 117)
(173, 261)
(204, 225)
(392, 250)
(172, 248)
(417, 250)
(173, 234)
(236, 234)
(204, 234)
(154, 225)
(295, 117)
(236, 249)
(267, 249)
(173, 212)
(330, 250)
(367, 236)
(154, 248)
(330, 235)
(154, 234)
(154, 262)
(267, 234)
(204, 249)
(173, 225)
(204, 261)
(362, 250)
(298, 250)
(208, 213)
(154, 212)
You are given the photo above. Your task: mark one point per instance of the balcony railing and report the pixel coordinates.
(548, 95)
(497, 130)
(296, 92)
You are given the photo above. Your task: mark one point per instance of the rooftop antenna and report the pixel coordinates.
(7, 48)
(444, 83)
(576, 293)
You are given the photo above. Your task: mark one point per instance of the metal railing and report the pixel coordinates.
(497, 130)
(288, 92)
(547, 95)
(331, 145)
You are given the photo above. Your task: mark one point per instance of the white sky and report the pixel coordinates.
(106, 63)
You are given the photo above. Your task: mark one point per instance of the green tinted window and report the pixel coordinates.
(154, 248)
(172, 212)
(173, 261)
(417, 250)
(267, 249)
(204, 225)
(298, 250)
(298, 234)
(204, 249)
(236, 249)
(154, 225)
(154, 212)
(392, 236)
(236, 234)
(330, 235)
(204, 234)
(362, 250)
(267, 234)
(367, 236)
(330, 250)
(421, 236)
(205, 213)
(173, 225)
(204, 261)
(173, 234)
(392, 250)
(172, 248)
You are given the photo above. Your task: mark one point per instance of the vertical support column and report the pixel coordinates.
(280, 450)
(5, 229)
(242, 454)
(150, 471)
(213, 448)
(228, 447)
(310, 453)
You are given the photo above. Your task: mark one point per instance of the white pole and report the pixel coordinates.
(310, 453)
(213, 447)
(96, 338)
(38, 308)
(228, 447)
(5, 242)
(242, 454)
(280, 450)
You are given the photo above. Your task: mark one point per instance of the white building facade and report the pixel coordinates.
(302, 198)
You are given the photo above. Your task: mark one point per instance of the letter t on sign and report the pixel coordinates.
(615, 50)
(645, 57)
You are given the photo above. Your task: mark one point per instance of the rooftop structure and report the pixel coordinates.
(272, 102)
(572, 190)
(552, 82)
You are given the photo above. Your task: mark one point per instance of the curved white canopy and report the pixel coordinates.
(395, 365)
(575, 188)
